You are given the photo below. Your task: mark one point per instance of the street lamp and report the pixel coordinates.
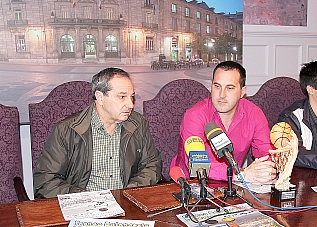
(135, 37)
(210, 44)
(235, 51)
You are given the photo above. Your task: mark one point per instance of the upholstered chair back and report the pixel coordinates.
(10, 153)
(275, 95)
(165, 112)
(61, 102)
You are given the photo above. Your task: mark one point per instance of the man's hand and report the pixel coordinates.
(261, 171)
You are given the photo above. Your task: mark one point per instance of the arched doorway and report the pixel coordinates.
(111, 47)
(67, 46)
(90, 46)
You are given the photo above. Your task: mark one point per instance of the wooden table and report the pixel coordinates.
(302, 178)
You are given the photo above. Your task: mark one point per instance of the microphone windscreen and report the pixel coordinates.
(212, 130)
(194, 143)
(176, 172)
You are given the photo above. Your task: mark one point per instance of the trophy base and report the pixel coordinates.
(283, 194)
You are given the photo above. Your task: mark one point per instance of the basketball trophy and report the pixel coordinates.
(286, 142)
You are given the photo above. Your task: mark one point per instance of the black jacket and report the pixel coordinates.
(297, 115)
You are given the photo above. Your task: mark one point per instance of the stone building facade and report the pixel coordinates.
(105, 31)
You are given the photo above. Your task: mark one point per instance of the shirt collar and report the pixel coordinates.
(97, 124)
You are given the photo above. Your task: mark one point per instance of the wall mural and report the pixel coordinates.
(275, 12)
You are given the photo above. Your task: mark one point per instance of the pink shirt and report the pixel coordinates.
(249, 128)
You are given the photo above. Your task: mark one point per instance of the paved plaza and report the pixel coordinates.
(22, 84)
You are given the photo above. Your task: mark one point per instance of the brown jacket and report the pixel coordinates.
(64, 165)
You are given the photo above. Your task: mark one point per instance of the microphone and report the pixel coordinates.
(197, 155)
(177, 174)
(194, 143)
(202, 179)
(221, 144)
(202, 176)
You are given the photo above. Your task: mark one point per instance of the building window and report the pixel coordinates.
(149, 43)
(148, 18)
(20, 43)
(111, 47)
(198, 15)
(90, 46)
(207, 17)
(87, 12)
(18, 14)
(174, 24)
(216, 20)
(187, 12)
(173, 8)
(64, 12)
(147, 2)
(198, 28)
(109, 13)
(111, 44)
(187, 24)
(208, 29)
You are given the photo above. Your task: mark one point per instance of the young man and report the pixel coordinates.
(105, 146)
(302, 117)
(242, 121)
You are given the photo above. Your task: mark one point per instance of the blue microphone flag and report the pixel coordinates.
(198, 159)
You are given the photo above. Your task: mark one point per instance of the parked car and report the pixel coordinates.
(215, 61)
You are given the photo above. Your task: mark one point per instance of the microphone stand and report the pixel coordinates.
(230, 191)
(184, 193)
(203, 191)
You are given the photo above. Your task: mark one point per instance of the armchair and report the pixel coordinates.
(165, 112)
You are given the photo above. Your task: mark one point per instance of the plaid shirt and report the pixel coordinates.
(105, 173)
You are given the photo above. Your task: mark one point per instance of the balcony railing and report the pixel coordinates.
(17, 23)
(79, 21)
(150, 25)
(148, 6)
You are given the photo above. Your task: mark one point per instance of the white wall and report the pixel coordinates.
(274, 51)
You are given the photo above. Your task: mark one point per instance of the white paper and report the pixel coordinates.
(314, 188)
(257, 188)
(99, 204)
(109, 222)
(244, 218)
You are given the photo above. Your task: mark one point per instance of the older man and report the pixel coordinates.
(105, 146)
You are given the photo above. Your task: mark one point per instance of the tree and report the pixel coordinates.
(226, 45)
(199, 44)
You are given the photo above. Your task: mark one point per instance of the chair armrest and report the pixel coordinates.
(20, 189)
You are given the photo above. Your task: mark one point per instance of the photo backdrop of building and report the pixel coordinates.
(122, 31)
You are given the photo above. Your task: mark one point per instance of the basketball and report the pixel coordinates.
(280, 134)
